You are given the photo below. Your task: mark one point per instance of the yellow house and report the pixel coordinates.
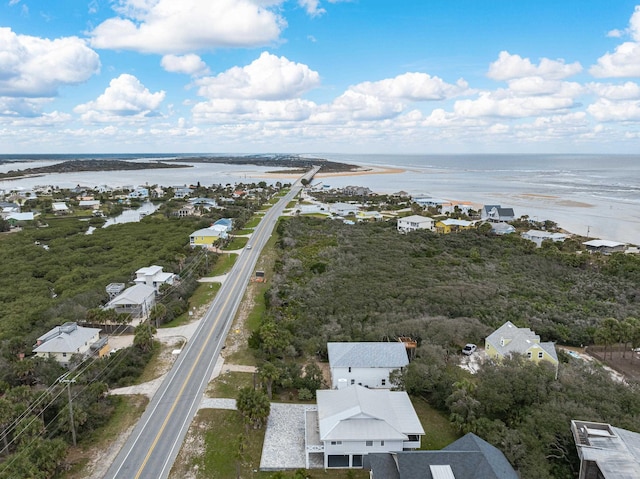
(206, 236)
(452, 225)
(509, 339)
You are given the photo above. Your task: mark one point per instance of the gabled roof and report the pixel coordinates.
(469, 457)
(67, 338)
(455, 222)
(517, 340)
(137, 294)
(416, 219)
(602, 243)
(367, 355)
(358, 413)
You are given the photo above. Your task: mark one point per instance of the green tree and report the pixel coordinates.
(254, 407)
(269, 373)
(143, 337)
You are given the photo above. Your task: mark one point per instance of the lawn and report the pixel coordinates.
(438, 430)
(253, 222)
(237, 243)
(224, 264)
(202, 296)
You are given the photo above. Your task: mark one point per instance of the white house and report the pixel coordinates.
(343, 209)
(64, 341)
(154, 276)
(136, 301)
(538, 237)
(350, 423)
(365, 364)
(414, 223)
(604, 246)
(59, 208)
(139, 192)
(428, 201)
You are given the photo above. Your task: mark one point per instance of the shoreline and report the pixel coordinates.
(361, 171)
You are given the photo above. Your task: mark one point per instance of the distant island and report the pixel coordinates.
(301, 164)
(298, 164)
(87, 165)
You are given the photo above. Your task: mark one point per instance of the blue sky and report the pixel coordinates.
(319, 76)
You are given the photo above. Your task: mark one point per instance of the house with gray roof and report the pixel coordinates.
(62, 342)
(365, 364)
(606, 452)
(604, 246)
(136, 301)
(497, 213)
(470, 457)
(347, 424)
(509, 339)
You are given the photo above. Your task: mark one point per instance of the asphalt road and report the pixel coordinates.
(155, 442)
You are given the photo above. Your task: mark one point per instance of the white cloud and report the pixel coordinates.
(615, 33)
(625, 60)
(267, 78)
(607, 110)
(312, 7)
(628, 91)
(169, 26)
(37, 67)
(509, 67)
(503, 104)
(412, 87)
(233, 110)
(190, 64)
(124, 98)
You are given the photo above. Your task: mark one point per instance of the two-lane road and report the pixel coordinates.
(153, 446)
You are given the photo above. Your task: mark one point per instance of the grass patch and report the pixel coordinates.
(438, 430)
(237, 243)
(224, 264)
(128, 409)
(292, 204)
(219, 432)
(253, 222)
(245, 231)
(202, 296)
(243, 356)
(228, 384)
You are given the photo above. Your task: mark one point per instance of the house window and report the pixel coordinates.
(64, 355)
(336, 443)
(413, 437)
(382, 443)
(369, 443)
(529, 355)
(353, 381)
(540, 355)
(349, 368)
(384, 382)
(356, 460)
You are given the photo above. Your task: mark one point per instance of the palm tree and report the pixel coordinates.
(269, 373)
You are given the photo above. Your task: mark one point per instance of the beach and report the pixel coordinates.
(590, 195)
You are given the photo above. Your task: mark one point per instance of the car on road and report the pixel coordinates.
(469, 349)
(248, 246)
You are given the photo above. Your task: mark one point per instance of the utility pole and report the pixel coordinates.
(64, 379)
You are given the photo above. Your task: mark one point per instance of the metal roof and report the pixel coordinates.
(137, 294)
(63, 339)
(358, 413)
(367, 355)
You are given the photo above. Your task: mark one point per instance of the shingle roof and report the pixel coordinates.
(367, 355)
(469, 457)
(358, 413)
(517, 340)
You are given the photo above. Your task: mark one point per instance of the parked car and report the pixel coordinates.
(469, 349)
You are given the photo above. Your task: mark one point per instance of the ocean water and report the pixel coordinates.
(591, 195)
